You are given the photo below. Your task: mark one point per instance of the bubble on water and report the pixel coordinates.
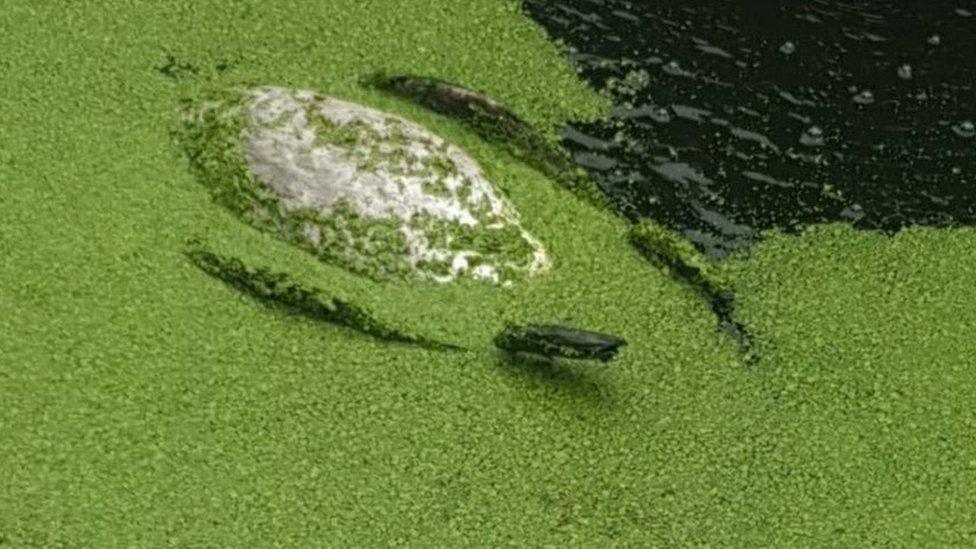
(905, 72)
(853, 213)
(812, 137)
(661, 114)
(935, 40)
(966, 128)
(866, 97)
(672, 67)
(788, 47)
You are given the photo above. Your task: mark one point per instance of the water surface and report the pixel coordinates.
(735, 117)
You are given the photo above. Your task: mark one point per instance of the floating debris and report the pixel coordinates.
(866, 97)
(965, 129)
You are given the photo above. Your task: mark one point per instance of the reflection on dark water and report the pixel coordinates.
(738, 116)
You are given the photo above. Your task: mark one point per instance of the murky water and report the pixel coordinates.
(738, 116)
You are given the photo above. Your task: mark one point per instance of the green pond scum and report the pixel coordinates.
(143, 404)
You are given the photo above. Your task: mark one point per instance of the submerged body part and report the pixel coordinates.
(669, 249)
(552, 341)
(656, 242)
(498, 124)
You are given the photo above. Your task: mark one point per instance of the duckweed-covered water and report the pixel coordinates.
(734, 117)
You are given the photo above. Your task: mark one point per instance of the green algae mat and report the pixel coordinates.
(144, 403)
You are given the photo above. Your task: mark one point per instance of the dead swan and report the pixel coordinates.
(370, 191)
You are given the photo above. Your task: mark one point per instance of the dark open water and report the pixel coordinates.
(738, 116)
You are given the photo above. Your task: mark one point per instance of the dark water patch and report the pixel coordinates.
(736, 117)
